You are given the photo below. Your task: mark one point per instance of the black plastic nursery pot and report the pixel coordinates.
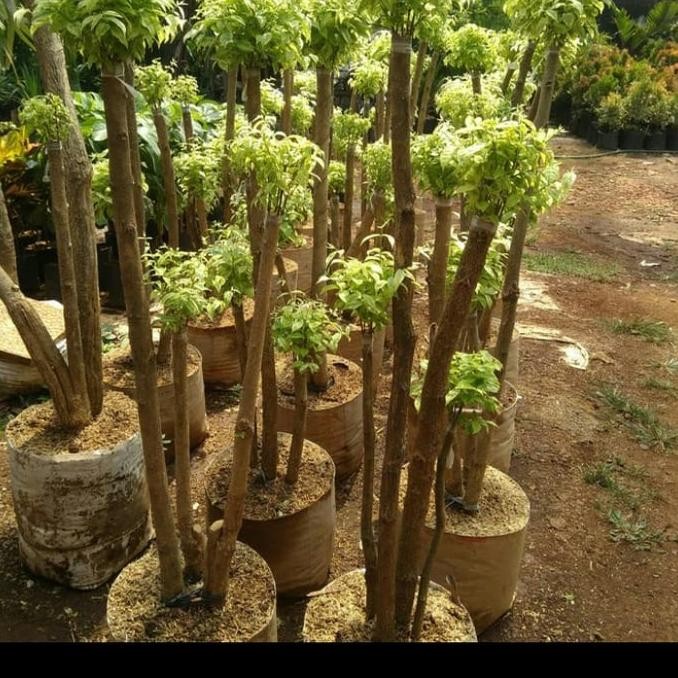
(672, 138)
(608, 141)
(656, 141)
(632, 140)
(592, 135)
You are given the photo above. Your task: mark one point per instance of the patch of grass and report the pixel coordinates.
(112, 336)
(605, 475)
(654, 331)
(671, 365)
(660, 385)
(633, 530)
(571, 264)
(642, 422)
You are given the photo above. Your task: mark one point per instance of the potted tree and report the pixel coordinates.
(610, 118)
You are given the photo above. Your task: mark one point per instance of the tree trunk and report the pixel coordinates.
(418, 75)
(365, 229)
(7, 251)
(282, 274)
(438, 532)
(366, 529)
(348, 198)
(388, 114)
(299, 428)
(44, 354)
(426, 94)
(548, 85)
(438, 266)
(403, 335)
(534, 105)
(523, 72)
(135, 154)
(168, 180)
(432, 411)
(67, 280)
(508, 78)
(227, 181)
(201, 212)
(240, 335)
(141, 339)
(323, 122)
(187, 122)
(222, 537)
(191, 543)
(477, 83)
(54, 76)
(380, 120)
(288, 91)
(474, 470)
(334, 221)
(269, 397)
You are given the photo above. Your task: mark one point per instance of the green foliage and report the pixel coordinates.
(366, 288)
(178, 285)
(654, 331)
(471, 49)
(228, 270)
(456, 102)
(272, 101)
(571, 264)
(298, 211)
(369, 77)
(302, 114)
(376, 160)
(554, 22)
(101, 191)
(255, 33)
(405, 16)
(154, 82)
(336, 28)
(185, 90)
(647, 106)
(610, 113)
(46, 116)
(435, 163)
(109, 32)
(198, 174)
(306, 83)
(336, 175)
(640, 36)
(348, 130)
(307, 329)
(492, 277)
(472, 389)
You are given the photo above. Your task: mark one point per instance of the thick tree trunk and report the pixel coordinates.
(432, 415)
(548, 85)
(7, 250)
(426, 94)
(438, 266)
(223, 534)
(418, 75)
(348, 198)
(168, 180)
(44, 354)
(299, 428)
(288, 91)
(191, 540)
(523, 71)
(135, 154)
(366, 530)
(227, 181)
(323, 122)
(54, 76)
(67, 280)
(141, 338)
(403, 335)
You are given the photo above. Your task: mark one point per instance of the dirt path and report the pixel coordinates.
(576, 582)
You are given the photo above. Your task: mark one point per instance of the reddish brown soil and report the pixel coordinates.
(576, 583)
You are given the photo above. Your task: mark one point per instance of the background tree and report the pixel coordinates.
(471, 50)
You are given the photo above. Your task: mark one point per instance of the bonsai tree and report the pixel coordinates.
(364, 290)
(471, 49)
(108, 37)
(178, 280)
(336, 28)
(306, 329)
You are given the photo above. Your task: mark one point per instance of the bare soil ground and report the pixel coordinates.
(601, 556)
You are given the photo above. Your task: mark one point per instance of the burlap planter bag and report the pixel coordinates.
(296, 545)
(81, 516)
(303, 258)
(134, 612)
(351, 347)
(335, 613)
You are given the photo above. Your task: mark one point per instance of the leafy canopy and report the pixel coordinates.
(369, 77)
(154, 82)
(376, 160)
(471, 49)
(336, 175)
(185, 90)
(110, 32)
(198, 173)
(306, 328)
(434, 161)
(46, 116)
(456, 101)
(348, 129)
(404, 16)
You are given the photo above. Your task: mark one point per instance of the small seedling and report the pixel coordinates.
(656, 332)
(571, 264)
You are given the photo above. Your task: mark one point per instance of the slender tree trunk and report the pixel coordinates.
(455, 483)
(269, 396)
(201, 212)
(240, 335)
(191, 540)
(223, 534)
(534, 105)
(403, 335)
(418, 75)
(426, 94)
(365, 229)
(282, 274)
(334, 221)
(438, 266)
(388, 115)
(288, 91)
(432, 411)
(477, 83)
(135, 154)
(508, 78)
(366, 530)
(168, 179)
(380, 120)
(474, 470)
(78, 167)
(44, 353)
(141, 338)
(67, 279)
(299, 428)
(348, 198)
(425, 578)
(523, 71)
(323, 122)
(7, 251)
(227, 180)
(187, 121)
(548, 85)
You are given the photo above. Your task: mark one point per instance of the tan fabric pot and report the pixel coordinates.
(134, 612)
(351, 347)
(512, 362)
(303, 257)
(292, 272)
(81, 516)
